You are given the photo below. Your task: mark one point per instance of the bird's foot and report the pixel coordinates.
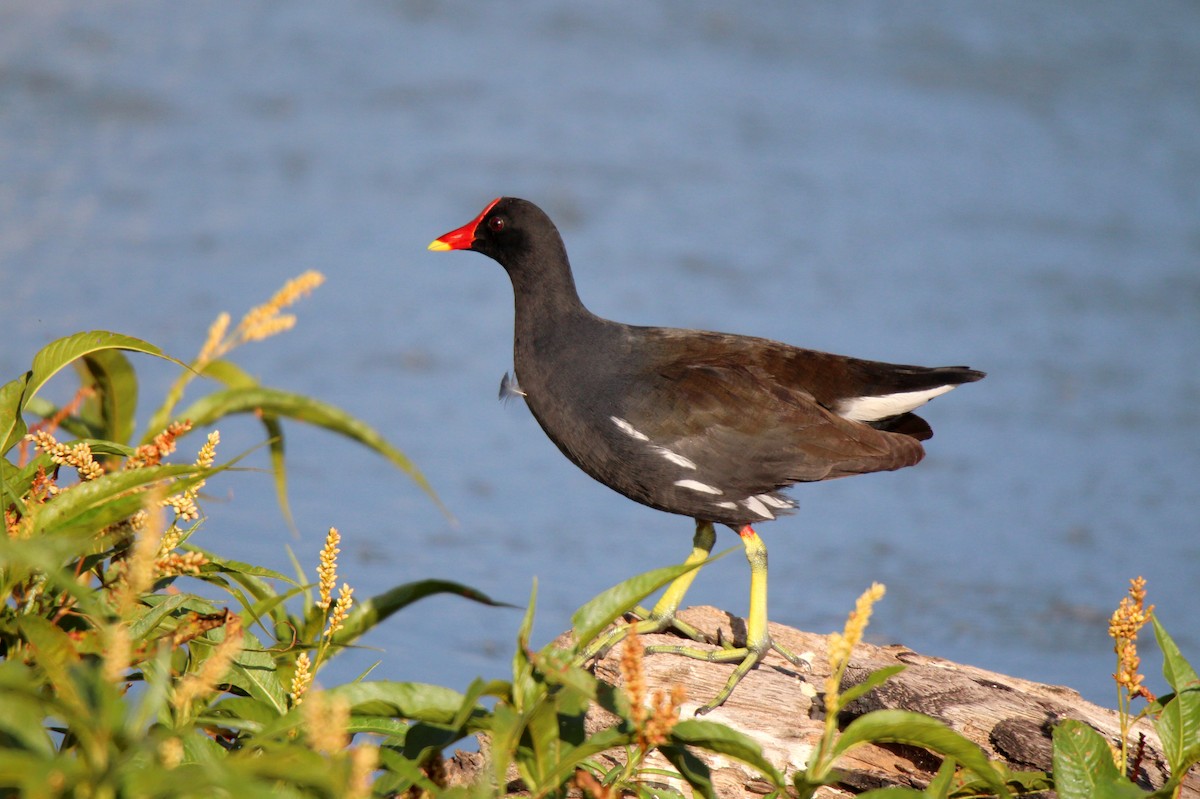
(682, 628)
(747, 657)
(645, 622)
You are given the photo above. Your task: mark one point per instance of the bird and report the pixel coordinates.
(713, 426)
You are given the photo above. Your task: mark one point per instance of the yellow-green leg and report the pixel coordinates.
(662, 616)
(758, 639)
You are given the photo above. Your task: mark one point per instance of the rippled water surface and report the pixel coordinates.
(1013, 186)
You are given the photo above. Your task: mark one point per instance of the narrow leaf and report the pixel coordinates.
(1177, 671)
(725, 741)
(12, 425)
(371, 612)
(691, 768)
(409, 700)
(229, 373)
(108, 498)
(602, 741)
(604, 609)
(914, 729)
(275, 450)
(114, 405)
(58, 354)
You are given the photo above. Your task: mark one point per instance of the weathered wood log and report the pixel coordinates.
(780, 707)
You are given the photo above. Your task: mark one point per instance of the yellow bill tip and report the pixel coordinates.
(437, 245)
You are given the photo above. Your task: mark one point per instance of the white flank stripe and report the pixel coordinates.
(675, 457)
(729, 505)
(775, 502)
(628, 429)
(755, 506)
(872, 409)
(696, 485)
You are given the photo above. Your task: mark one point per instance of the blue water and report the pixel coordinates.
(1013, 186)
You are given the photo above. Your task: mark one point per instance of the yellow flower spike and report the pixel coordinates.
(327, 569)
(301, 679)
(78, 456)
(216, 344)
(633, 677)
(207, 453)
(264, 321)
(1124, 625)
(341, 609)
(842, 644)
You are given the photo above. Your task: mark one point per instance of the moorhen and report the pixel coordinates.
(706, 425)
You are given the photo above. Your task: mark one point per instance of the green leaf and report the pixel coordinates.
(146, 623)
(114, 405)
(386, 726)
(241, 568)
(25, 709)
(12, 425)
(602, 741)
(557, 667)
(15, 483)
(507, 726)
(401, 773)
(54, 656)
(541, 726)
(603, 610)
(272, 401)
(914, 729)
(233, 376)
(275, 450)
(725, 741)
(525, 689)
(1178, 724)
(1177, 671)
(109, 498)
(368, 614)
(229, 373)
(242, 712)
(23, 558)
(409, 700)
(58, 354)
(254, 671)
(1084, 767)
(691, 768)
(940, 786)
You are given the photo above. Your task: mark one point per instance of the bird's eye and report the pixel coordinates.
(496, 224)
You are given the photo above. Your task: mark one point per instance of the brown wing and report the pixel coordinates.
(748, 429)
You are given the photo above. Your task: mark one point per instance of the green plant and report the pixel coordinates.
(1086, 764)
(115, 678)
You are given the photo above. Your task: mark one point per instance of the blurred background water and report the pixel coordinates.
(1013, 186)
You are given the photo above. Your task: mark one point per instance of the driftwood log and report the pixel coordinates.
(780, 707)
